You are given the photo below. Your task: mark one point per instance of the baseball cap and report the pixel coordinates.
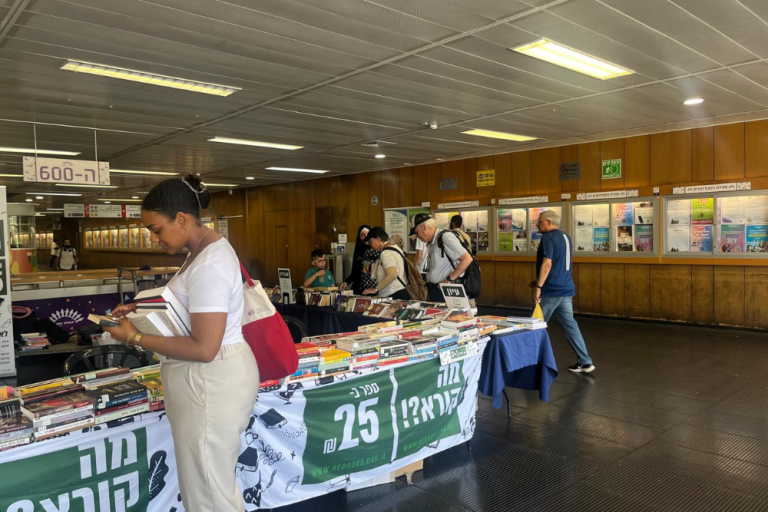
(375, 232)
(418, 219)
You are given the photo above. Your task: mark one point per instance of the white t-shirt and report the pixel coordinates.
(67, 257)
(388, 259)
(421, 246)
(212, 284)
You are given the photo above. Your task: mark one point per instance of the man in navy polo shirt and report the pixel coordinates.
(553, 287)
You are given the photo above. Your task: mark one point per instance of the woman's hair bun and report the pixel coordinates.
(202, 192)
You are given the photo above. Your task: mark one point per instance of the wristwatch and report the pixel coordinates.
(539, 287)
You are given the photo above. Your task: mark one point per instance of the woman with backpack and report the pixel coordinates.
(389, 271)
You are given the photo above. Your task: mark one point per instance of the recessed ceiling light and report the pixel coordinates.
(499, 135)
(148, 78)
(219, 184)
(250, 178)
(296, 169)
(149, 173)
(11, 175)
(28, 200)
(39, 197)
(574, 60)
(693, 101)
(242, 142)
(39, 151)
(381, 156)
(134, 197)
(107, 202)
(85, 186)
(115, 199)
(62, 194)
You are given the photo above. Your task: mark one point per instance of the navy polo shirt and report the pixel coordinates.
(556, 245)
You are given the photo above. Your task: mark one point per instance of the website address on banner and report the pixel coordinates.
(426, 439)
(357, 464)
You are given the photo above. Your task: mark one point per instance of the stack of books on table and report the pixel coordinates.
(463, 342)
(101, 377)
(422, 347)
(528, 322)
(333, 361)
(119, 400)
(363, 350)
(359, 303)
(393, 352)
(320, 297)
(34, 341)
(160, 313)
(502, 323)
(59, 415)
(15, 428)
(309, 361)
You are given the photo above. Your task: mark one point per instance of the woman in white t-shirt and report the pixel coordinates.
(389, 271)
(210, 378)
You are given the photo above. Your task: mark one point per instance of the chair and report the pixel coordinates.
(297, 328)
(93, 358)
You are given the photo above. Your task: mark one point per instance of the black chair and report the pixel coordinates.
(297, 328)
(96, 357)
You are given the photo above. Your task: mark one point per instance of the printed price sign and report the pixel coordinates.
(344, 424)
(456, 297)
(57, 170)
(286, 287)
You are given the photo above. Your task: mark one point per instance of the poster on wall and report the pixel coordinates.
(583, 238)
(756, 209)
(601, 239)
(643, 213)
(757, 238)
(623, 214)
(644, 238)
(222, 227)
(701, 238)
(679, 213)
(396, 223)
(678, 238)
(732, 238)
(731, 210)
(702, 211)
(505, 242)
(7, 359)
(520, 241)
(625, 241)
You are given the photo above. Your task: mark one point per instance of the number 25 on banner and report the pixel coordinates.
(366, 417)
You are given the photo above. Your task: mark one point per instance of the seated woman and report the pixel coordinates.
(389, 271)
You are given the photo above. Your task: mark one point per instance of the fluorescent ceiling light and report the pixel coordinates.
(29, 200)
(693, 101)
(134, 197)
(53, 194)
(107, 202)
(86, 186)
(565, 57)
(39, 197)
(149, 173)
(113, 199)
(295, 169)
(219, 184)
(11, 176)
(250, 178)
(499, 135)
(55, 209)
(227, 140)
(148, 78)
(380, 156)
(39, 151)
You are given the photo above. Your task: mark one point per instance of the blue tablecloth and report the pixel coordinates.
(521, 359)
(326, 320)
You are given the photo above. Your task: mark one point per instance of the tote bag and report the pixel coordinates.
(266, 333)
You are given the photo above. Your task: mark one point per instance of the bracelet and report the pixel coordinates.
(130, 338)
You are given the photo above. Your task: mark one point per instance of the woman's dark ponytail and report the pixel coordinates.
(188, 195)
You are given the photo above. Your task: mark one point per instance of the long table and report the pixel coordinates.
(304, 440)
(326, 320)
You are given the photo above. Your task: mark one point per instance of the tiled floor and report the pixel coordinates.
(674, 418)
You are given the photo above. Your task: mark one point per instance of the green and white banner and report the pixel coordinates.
(304, 440)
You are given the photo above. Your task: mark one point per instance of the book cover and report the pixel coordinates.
(112, 392)
(15, 424)
(100, 374)
(58, 404)
(10, 408)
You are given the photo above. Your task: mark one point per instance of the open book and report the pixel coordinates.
(160, 313)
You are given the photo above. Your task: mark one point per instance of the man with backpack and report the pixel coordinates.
(456, 222)
(396, 276)
(447, 259)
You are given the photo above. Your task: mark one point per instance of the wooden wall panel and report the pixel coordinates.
(637, 291)
(610, 150)
(390, 195)
(671, 156)
(637, 153)
(702, 294)
(612, 289)
(569, 154)
(348, 219)
(756, 148)
(363, 202)
(485, 194)
(545, 166)
(703, 148)
(671, 292)
(374, 190)
(729, 295)
(434, 173)
(420, 190)
(503, 165)
(521, 173)
(406, 187)
(589, 288)
(591, 174)
(756, 297)
(488, 271)
(256, 223)
(729, 151)
(454, 169)
(522, 293)
(505, 279)
(470, 179)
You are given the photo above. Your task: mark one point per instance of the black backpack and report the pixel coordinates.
(471, 280)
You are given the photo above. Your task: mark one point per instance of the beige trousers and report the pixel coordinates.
(209, 406)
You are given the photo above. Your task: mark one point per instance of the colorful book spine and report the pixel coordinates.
(124, 413)
(51, 432)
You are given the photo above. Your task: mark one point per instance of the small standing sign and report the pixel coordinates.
(456, 297)
(286, 288)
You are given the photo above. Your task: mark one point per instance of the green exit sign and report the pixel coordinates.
(611, 169)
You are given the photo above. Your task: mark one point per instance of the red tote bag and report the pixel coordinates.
(266, 333)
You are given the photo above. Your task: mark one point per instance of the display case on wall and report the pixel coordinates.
(88, 239)
(21, 229)
(120, 238)
(619, 227)
(476, 223)
(516, 232)
(725, 224)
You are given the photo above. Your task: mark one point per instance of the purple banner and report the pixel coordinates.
(69, 313)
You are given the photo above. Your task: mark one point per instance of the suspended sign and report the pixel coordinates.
(59, 170)
(102, 211)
